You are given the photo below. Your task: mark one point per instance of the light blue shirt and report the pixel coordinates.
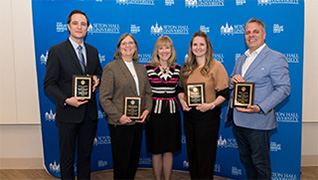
(75, 45)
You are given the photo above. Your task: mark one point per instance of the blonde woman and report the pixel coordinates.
(163, 131)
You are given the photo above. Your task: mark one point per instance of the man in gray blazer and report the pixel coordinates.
(252, 126)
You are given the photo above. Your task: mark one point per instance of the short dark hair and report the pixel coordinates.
(69, 18)
(254, 20)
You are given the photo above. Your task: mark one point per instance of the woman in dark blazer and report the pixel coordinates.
(125, 77)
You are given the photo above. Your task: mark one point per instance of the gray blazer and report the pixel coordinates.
(118, 82)
(270, 73)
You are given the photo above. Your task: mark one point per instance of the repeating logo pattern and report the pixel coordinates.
(292, 57)
(240, 2)
(102, 163)
(270, 2)
(275, 146)
(232, 29)
(102, 28)
(227, 142)
(102, 140)
(61, 27)
(285, 176)
(290, 117)
(43, 57)
(219, 57)
(205, 29)
(147, 161)
(169, 29)
(169, 2)
(50, 116)
(203, 3)
(185, 164)
(223, 26)
(217, 168)
(135, 2)
(278, 28)
(54, 167)
(144, 58)
(134, 29)
(236, 171)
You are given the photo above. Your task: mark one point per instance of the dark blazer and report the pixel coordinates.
(118, 82)
(61, 65)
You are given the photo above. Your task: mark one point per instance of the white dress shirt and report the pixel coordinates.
(250, 58)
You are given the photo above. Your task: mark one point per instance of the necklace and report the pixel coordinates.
(164, 69)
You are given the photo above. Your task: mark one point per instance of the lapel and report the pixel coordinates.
(240, 64)
(256, 61)
(140, 76)
(72, 52)
(127, 75)
(89, 59)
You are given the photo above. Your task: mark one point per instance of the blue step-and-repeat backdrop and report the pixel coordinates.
(223, 21)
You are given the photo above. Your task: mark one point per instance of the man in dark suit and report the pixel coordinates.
(268, 69)
(76, 117)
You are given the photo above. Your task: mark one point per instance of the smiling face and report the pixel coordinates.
(199, 47)
(254, 36)
(164, 52)
(78, 27)
(127, 48)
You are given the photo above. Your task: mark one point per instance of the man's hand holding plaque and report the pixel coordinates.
(195, 94)
(243, 94)
(82, 86)
(132, 107)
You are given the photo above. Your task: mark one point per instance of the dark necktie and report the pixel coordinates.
(81, 58)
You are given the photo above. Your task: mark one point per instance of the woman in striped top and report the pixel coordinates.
(163, 131)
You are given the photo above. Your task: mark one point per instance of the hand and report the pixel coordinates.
(75, 101)
(124, 119)
(249, 109)
(95, 82)
(143, 116)
(205, 107)
(184, 105)
(236, 79)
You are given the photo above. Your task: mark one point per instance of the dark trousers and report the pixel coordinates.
(201, 130)
(81, 135)
(254, 148)
(126, 146)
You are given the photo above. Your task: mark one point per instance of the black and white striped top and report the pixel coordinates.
(164, 88)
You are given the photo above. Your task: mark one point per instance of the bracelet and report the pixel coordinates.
(213, 105)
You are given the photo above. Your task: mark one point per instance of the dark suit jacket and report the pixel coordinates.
(118, 82)
(61, 65)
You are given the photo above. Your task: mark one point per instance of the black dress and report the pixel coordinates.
(163, 130)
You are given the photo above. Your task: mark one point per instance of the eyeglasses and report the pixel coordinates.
(127, 43)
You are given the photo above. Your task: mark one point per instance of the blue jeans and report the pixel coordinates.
(254, 148)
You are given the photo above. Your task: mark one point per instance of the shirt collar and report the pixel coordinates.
(257, 51)
(75, 45)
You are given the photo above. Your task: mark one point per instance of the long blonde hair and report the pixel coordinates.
(161, 41)
(191, 63)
